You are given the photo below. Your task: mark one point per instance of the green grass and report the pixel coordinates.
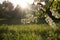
(28, 32)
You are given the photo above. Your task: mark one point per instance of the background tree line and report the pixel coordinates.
(9, 13)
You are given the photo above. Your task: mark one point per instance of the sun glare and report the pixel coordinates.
(29, 1)
(21, 3)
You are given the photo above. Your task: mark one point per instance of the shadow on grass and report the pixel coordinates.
(18, 22)
(10, 22)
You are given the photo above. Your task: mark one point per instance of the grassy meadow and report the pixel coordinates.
(29, 32)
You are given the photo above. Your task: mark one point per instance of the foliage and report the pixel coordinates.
(11, 14)
(51, 8)
(31, 31)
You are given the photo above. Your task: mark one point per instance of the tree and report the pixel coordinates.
(49, 13)
(6, 9)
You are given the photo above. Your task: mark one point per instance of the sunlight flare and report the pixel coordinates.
(29, 1)
(22, 3)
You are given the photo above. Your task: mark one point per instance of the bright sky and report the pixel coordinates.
(1, 1)
(22, 3)
(30, 1)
